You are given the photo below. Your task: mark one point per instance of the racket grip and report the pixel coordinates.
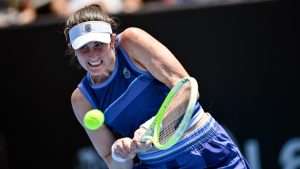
(115, 157)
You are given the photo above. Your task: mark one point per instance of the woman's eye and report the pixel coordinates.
(98, 44)
(84, 49)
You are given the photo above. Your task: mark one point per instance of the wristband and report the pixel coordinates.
(114, 156)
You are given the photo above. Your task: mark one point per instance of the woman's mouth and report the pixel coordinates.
(95, 63)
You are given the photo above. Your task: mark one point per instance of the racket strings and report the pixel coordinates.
(175, 113)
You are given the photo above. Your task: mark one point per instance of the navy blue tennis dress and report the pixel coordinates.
(130, 96)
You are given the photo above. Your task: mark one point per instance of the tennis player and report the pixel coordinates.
(128, 76)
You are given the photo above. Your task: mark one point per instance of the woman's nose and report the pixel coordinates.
(93, 54)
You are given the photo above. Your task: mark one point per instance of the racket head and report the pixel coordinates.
(174, 114)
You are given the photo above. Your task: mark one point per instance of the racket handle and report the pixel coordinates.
(115, 157)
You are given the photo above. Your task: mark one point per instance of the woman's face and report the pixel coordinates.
(97, 58)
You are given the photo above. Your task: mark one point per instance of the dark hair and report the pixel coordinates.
(91, 12)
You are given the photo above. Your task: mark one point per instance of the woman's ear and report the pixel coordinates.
(70, 46)
(114, 40)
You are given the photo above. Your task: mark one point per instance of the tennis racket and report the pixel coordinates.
(173, 117)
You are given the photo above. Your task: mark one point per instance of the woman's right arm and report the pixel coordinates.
(102, 138)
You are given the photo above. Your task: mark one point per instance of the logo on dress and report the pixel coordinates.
(88, 27)
(126, 73)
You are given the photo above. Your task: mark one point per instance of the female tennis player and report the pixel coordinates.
(128, 75)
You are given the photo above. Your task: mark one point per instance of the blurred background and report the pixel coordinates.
(242, 52)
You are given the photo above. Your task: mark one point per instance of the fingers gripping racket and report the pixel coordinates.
(174, 115)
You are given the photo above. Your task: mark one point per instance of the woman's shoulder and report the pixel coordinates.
(132, 31)
(76, 96)
(131, 34)
(78, 101)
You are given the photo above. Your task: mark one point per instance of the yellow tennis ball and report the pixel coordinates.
(93, 119)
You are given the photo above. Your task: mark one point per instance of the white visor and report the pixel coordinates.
(86, 32)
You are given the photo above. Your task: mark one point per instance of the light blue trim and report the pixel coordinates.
(196, 117)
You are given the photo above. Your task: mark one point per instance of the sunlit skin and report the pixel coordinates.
(98, 59)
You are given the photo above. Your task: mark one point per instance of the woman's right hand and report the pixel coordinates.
(127, 148)
(124, 148)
